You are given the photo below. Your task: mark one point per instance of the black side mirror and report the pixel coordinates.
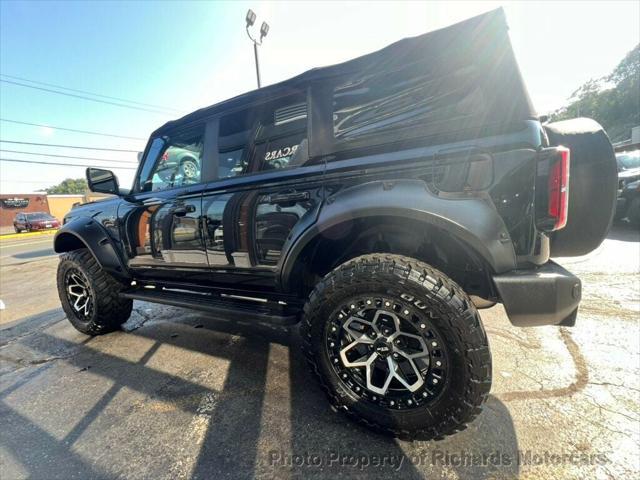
(102, 181)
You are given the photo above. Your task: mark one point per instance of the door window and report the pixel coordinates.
(233, 138)
(173, 162)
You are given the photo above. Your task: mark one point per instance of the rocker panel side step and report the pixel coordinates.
(219, 306)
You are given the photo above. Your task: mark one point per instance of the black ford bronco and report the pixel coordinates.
(380, 202)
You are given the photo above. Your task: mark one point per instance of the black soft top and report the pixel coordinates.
(480, 43)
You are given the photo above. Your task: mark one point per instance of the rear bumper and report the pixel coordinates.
(546, 295)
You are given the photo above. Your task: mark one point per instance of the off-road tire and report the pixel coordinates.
(109, 310)
(449, 309)
(17, 229)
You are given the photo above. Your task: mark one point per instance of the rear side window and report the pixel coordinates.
(270, 136)
(281, 141)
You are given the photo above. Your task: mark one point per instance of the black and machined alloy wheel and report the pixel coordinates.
(398, 346)
(90, 297)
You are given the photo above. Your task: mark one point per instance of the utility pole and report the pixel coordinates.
(264, 29)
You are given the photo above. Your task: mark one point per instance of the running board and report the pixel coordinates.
(223, 307)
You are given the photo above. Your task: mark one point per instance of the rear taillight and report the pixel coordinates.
(559, 189)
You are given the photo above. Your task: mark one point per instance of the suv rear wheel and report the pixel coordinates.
(398, 346)
(90, 297)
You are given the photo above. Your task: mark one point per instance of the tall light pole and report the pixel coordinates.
(264, 29)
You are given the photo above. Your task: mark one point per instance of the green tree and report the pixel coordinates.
(613, 100)
(69, 186)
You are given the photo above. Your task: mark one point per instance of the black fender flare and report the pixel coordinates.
(88, 233)
(472, 220)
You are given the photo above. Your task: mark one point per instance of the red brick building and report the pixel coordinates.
(12, 204)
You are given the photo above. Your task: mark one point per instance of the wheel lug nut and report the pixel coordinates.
(422, 325)
(409, 402)
(425, 394)
(395, 355)
(406, 312)
(387, 304)
(335, 360)
(438, 363)
(344, 375)
(392, 403)
(333, 329)
(435, 380)
(332, 344)
(434, 344)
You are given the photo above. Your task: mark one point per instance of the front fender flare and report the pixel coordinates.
(90, 234)
(473, 220)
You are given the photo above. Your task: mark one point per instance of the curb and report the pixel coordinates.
(13, 236)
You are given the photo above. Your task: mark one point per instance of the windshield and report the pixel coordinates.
(39, 216)
(628, 160)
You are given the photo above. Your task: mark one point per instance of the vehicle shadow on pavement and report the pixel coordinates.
(314, 441)
(269, 419)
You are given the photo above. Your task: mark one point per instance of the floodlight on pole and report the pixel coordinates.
(264, 29)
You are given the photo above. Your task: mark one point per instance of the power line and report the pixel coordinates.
(44, 182)
(91, 93)
(85, 98)
(69, 146)
(64, 164)
(70, 129)
(67, 156)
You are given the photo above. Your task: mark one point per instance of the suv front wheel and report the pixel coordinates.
(90, 296)
(398, 346)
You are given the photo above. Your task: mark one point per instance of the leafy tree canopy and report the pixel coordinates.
(69, 186)
(613, 100)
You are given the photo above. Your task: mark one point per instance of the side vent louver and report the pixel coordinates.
(290, 113)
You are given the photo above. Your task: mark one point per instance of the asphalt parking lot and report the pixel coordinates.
(177, 394)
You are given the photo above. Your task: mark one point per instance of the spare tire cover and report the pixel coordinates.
(593, 183)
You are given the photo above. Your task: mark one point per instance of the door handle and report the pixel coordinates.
(290, 197)
(182, 210)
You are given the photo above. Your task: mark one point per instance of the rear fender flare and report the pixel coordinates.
(473, 221)
(89, 233)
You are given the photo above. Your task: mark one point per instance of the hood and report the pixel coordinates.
(92, 209)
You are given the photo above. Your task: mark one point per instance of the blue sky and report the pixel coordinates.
(187, 55)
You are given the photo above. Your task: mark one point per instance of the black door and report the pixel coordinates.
(163, 218)
(266, 192)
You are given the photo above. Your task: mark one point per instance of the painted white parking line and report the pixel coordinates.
(12, 245)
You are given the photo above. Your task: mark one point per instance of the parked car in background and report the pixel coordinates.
(28, 222)
(628, 205)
